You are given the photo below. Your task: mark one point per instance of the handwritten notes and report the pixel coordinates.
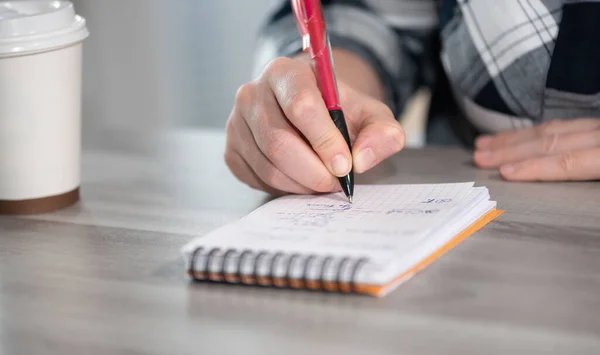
(382, 220)
(391, 227)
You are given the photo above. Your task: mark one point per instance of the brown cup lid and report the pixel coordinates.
(39, 205)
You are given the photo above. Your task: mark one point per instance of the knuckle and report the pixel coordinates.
(258, 113)
(326, 142)
(229, 158)
(275, 146)
(387, 112)
(244, 94)
(302, 105)
(264, 130)
(228, 154)
(549, 143)
(273, 177)
(278, 65)
(396, 132)
(567, 162)
(229, 130)
(234, 135)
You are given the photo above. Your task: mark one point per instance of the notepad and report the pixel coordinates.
(323, 242)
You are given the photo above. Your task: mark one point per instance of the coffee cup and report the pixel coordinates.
(40, 105)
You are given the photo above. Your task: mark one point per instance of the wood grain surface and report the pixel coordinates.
(106, 277)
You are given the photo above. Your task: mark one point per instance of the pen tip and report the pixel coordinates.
(350, 198)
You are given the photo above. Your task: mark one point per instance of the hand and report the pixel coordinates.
(281, 139)
(553, 151)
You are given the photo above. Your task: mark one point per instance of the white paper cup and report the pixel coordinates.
(40, 105)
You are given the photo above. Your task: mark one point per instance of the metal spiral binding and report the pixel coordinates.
(208, 274)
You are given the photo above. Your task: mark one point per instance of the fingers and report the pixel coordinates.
(380, 136)
(295, 88)
(262, 173)
(281, 145)
(528, 134)
(575, 165)
(243, 172)
(541, 146)
(240, 169)
(281, 137)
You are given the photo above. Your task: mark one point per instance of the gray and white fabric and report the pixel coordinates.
(492, 65)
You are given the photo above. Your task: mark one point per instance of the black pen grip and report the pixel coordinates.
(340, 122)
(346, 182)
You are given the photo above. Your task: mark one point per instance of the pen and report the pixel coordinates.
(311, 24)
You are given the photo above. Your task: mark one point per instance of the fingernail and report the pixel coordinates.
(365, 159)
(340, 165)
(507, 169)
(483, 141)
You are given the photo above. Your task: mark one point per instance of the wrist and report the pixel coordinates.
(358, 74)
(355, 72)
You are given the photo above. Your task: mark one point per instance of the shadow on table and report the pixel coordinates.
(248, 302)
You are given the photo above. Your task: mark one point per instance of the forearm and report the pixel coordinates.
(357, 73)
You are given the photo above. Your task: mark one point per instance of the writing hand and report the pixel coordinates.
(281, 139)
(553, 151)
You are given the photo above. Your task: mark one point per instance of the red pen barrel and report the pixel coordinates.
(311, 23)
(320, 52)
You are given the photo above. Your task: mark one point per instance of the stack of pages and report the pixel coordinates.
(323, 242)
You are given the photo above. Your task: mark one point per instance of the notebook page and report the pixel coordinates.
(382, 220)
(477, 198)
(475, 206)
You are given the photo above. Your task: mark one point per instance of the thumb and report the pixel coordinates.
(379, 136)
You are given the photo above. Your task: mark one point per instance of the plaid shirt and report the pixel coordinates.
(492, 65)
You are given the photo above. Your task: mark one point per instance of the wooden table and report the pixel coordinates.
(106, 276)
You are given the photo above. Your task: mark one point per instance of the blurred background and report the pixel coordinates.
(150, 64)
(177, 63)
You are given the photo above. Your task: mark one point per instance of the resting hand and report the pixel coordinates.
(554, 151)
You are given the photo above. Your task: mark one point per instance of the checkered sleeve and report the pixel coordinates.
(514, 64)
(397, 38)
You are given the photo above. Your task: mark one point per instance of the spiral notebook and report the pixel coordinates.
(323, 242)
